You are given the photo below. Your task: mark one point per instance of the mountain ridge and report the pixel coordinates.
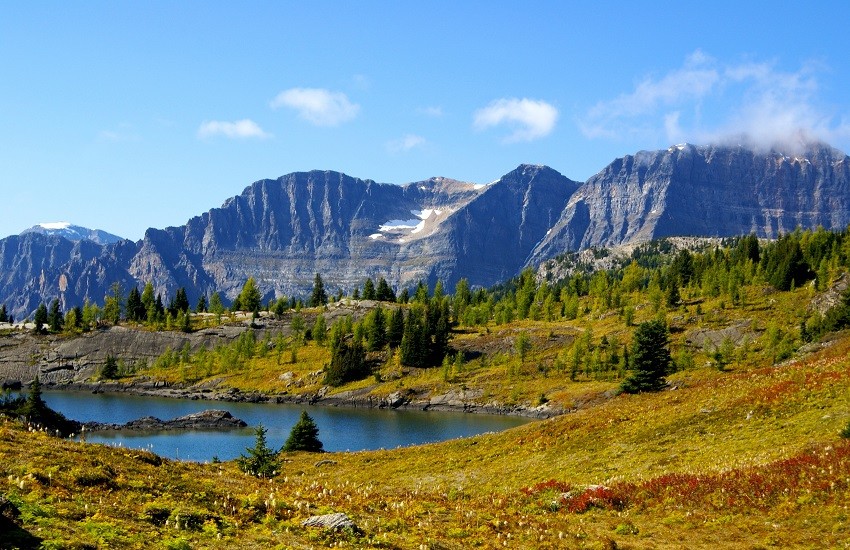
(283, 231)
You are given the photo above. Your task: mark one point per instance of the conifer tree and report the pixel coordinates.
(4, 315)
(261, 460)
(40, 318)
(414, 342)
(369, 290)
(55, 320)
(181, 300)
(215, 304)
(395, 328)
(318, 297)
(136, 310)
(320, 330)
(650, 358)
(202, 304)
(35, 407)
(384, 292)
(113, 304)
(304, 436)
(148, 300)
(110, 368)
(376, 332)
(250, 298)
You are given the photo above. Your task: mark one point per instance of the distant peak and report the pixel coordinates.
(73, 232)
(55, 225)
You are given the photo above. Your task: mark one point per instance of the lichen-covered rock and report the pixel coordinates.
(333, 522)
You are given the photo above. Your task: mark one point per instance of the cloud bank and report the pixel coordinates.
(240, 129)
(705, 100)
(530, 119)
(317, 106)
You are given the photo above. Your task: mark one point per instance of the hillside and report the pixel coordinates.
(746, 459)
(742, 448)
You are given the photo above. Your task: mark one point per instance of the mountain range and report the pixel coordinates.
(284, 231)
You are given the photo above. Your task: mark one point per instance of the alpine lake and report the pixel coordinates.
(340, 428)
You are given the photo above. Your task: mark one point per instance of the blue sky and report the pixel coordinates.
(128, 115)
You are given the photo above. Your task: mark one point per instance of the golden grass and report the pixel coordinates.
(679, 460)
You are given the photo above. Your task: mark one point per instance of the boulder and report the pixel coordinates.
(334, 522)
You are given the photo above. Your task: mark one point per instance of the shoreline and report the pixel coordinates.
(451, 402)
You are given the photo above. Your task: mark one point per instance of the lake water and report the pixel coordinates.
(340, 429)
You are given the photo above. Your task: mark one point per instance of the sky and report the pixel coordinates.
(126, 115)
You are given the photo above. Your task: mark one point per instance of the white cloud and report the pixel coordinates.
(612, 118)
(531, 119)
(753, 101)
(406, 143)
(239, 129)
(317, 106)
(433, 111)
(117, 137)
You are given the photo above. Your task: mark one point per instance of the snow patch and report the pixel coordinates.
(425, 214)
(483, 185)
(375, 236)
(55, 225)
(395, 225)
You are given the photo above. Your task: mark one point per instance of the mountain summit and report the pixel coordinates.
(73, 232)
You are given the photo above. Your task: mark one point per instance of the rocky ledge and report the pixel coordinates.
(210, 419)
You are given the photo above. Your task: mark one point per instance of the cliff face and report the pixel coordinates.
(704, 191)
(282, 232)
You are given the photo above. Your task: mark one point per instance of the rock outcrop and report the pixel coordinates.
(210, 419)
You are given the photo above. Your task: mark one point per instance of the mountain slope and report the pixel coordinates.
(282, 232)
(704, 191)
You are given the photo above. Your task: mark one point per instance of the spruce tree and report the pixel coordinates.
(384, 292)
(376, 332)
(261, 460)
(136, 310)
(181, 300)
(55, 319)
(110, 368)
(369, 290)
(318, 297)
(202, 304)
(35, 407)
(304, 436)
(4, 315)
(650, 358)
(395, 328)
(40, 318)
